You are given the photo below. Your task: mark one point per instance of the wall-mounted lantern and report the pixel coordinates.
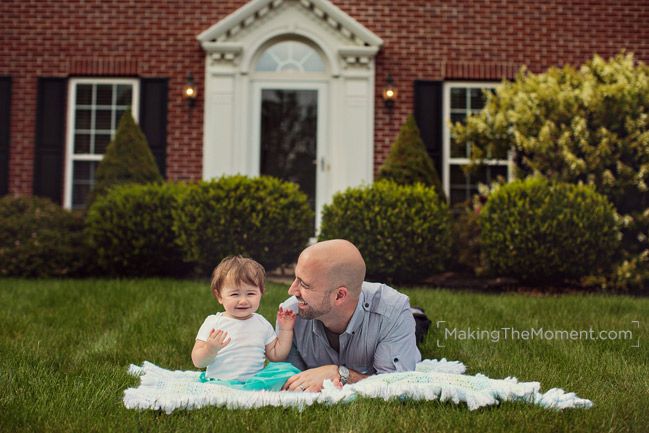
(389, 95)
(189, 92)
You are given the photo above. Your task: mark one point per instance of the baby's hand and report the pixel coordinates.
(216, 341)
(286, 319)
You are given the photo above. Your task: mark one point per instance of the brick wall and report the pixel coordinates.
(435, 40)
(489, 40)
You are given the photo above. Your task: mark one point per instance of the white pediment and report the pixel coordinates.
(319, 20)
(327, 12)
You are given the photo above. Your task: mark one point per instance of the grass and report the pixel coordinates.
(65, 346)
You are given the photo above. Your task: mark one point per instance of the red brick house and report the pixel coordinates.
(291, 88)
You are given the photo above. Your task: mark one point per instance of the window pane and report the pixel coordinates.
(481, 176)
(124, 95)
(102, 119)
(266, 63)
(457, 175)
(82, 120)
(458, 150)
(80, 194)
(101, 143)
(477, 99)
(82, 170)
(84, 179)
(498, 171)
(118, 116)
(105, 94)
(81, 143)
(84, 94)
(458, 195)
(458, 98)
(462, 185)
(313, 63)
(290, 56)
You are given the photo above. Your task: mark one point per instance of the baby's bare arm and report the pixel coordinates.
(204, 352)
(278, 349)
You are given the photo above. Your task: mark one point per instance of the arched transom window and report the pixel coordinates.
(290, 56)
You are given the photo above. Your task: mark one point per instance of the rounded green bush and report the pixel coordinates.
(541, 232)
(130, 230)
(38, 238)
(268, 219)
(402, 231)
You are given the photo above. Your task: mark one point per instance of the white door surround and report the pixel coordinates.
(233, 47)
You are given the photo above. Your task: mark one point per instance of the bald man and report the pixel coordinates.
(347, 329)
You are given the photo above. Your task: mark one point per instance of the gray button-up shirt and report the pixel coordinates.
(380, 337)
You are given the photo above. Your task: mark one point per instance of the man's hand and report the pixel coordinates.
(286, 319)
(311, 380)
(216, 341)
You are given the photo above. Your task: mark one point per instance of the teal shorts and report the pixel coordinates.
(271, 378)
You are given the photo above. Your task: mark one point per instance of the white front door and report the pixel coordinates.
(289, 135)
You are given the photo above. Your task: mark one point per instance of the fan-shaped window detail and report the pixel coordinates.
(290, 56)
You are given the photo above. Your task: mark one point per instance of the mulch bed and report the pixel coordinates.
(471, 283)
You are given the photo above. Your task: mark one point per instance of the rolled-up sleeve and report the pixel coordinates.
(397, 350)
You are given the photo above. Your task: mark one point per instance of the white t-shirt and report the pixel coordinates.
(244, 356)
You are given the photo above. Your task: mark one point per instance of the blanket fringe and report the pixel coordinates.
(442, 380)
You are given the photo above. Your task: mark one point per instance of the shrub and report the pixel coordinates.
(128, 159)
(588, 125)
(38, 238)
(268, 219)
(408, 161)
(465, 231)
(130, 230)
(403, 231)
(542, 232)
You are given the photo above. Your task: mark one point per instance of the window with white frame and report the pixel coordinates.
(95, 107)
(461, 99)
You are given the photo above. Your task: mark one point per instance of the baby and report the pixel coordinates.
(233, 345)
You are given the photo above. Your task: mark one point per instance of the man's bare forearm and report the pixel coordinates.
(355, 376)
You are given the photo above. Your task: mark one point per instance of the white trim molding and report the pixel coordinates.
(91, 156)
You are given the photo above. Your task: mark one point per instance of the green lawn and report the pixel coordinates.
(65, 346)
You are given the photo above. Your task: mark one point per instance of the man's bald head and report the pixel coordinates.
(339, 262)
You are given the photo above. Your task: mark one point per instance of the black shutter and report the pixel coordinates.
(50, 138)
(153, 118)
(5, 125)
(428, 115)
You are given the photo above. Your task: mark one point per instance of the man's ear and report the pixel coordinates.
(341, 294)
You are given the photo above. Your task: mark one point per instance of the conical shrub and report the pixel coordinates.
(408, 161)
(128, 159)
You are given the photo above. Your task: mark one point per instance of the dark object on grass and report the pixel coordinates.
(422, 323)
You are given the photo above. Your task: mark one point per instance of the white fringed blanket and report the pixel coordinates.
(167, 390)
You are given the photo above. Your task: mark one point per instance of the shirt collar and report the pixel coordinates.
(357, 318)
